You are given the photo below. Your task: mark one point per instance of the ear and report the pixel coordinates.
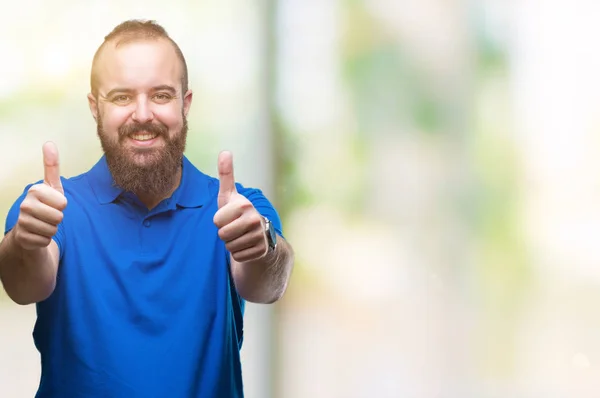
(187, 102)
(93, 104)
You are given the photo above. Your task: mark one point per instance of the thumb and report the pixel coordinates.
(51, 166)
(226, 179)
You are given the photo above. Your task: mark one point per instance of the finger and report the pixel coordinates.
(235, 229)
(47, 214)
(251, 254)
(226, 178)
(49, 196)
(247, 241)
(37, 227)
(51, 166)
(226, 215)
(30, 241)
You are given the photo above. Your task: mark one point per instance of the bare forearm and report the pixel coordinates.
(28, 276)
(265, 280)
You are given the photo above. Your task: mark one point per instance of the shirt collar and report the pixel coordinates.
(102, 182)
(193, 190)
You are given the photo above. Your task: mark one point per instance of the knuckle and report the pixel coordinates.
(261, 236)
(37, 190)
(58, 200)
(244, 203)
(34, 193)
(255, 220)
(34, 188)
(261, 242)
(53, 230)
(26, 205)
(255, 239)
(62, 203)
(260, 250)
(21, 220)
(18, 236)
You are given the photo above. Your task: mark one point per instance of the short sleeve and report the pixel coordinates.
(13, 216)
(263, 206)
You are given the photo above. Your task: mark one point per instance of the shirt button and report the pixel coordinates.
(147, 223)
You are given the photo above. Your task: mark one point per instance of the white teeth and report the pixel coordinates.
(143, 137)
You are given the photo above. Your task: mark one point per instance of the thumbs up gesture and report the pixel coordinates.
(42, 209)
(240, 225)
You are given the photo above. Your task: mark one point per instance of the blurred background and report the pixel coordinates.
(433, 161)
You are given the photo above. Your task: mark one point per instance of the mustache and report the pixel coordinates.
(151, 128)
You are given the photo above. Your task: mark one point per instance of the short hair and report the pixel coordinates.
(135, 30)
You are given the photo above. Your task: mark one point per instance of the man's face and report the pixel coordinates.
(141, 114)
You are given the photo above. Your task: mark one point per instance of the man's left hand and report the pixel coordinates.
(240, 225)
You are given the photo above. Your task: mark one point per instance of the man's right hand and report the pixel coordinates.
(42, 209)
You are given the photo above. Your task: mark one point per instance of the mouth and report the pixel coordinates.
(143, 137)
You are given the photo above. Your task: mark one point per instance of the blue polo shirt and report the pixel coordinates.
(144, 304)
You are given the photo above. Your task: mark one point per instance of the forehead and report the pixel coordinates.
(138, 66)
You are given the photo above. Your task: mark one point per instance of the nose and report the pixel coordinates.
(142, 112)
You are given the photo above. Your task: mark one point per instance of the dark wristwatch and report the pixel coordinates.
(271, 234)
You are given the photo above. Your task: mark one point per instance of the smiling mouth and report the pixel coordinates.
(143, 137)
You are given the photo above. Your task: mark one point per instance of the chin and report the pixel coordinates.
(144, 157)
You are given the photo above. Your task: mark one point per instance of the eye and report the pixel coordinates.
(121, 99)
(162, 97)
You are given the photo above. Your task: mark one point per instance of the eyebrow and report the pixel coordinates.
(162, 87)
(165, 87)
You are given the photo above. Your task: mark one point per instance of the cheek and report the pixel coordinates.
(172, 118)
(112, 119)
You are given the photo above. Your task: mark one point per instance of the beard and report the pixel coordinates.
(144, 171)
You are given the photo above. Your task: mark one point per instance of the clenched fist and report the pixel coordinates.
(42, 209)
(240, 225)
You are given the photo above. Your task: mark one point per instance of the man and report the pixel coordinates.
(140, 267)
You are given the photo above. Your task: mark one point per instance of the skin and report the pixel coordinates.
(260, 275)
(28, 255)
(140, 84)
